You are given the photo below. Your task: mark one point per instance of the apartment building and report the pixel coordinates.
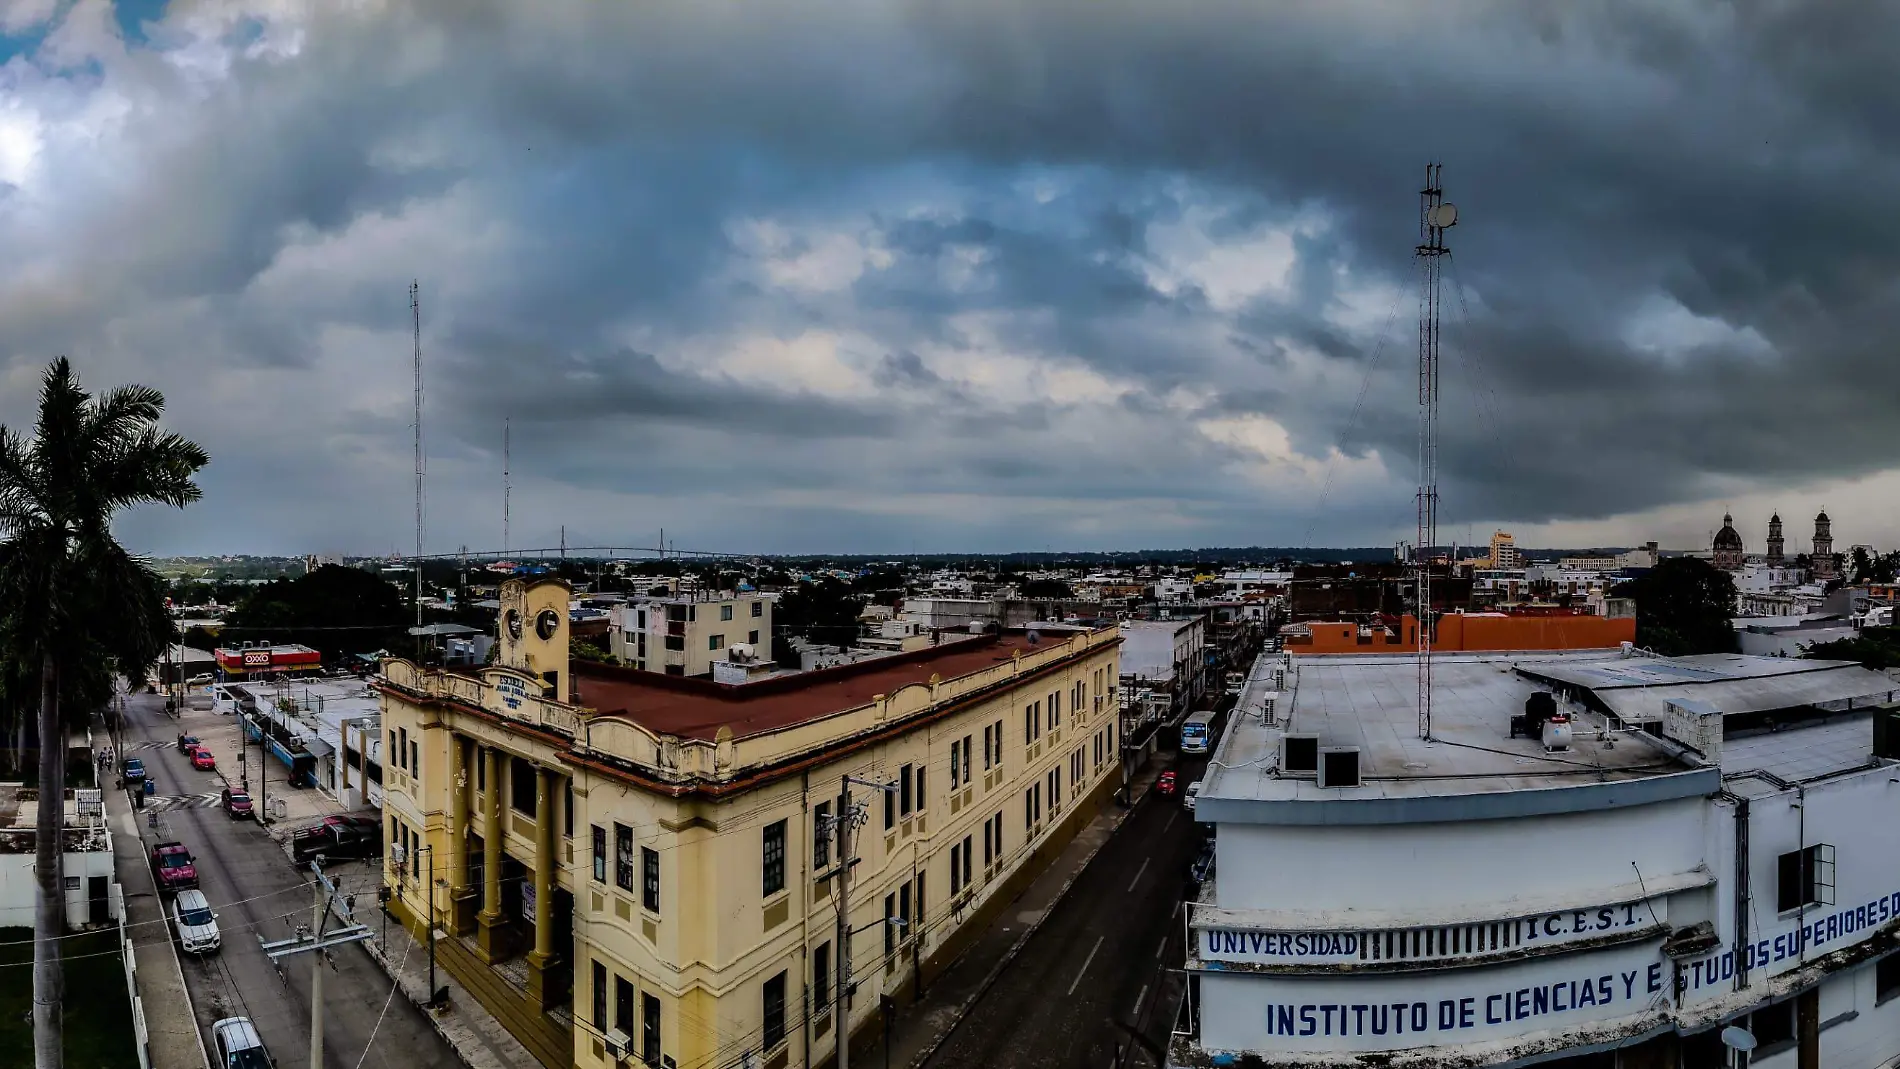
(683, 634)
(634, 868)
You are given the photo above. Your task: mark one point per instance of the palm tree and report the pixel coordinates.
(75, 607)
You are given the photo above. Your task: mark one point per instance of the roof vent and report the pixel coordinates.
(1339, 766)
(1299, 755)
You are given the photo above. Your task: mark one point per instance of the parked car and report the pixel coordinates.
(1203, 866)
(173, 867)
(197, 926)
(1193, 792)
(1166, 783)
(187, 743)
(239, 1046)
(338, 837)
(133, 770)
(201, 759)
(237, 805)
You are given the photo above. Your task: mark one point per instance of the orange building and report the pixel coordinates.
(1475, 632)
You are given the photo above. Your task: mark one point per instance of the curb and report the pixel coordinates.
(184, 986)
(1009, 956)
(435, 1022)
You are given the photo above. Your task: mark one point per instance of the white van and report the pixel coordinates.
(239, 1046)
(1193, 792)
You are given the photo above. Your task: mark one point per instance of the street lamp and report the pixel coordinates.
(1740, 1042)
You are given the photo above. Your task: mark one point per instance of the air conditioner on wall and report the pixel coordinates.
(617, 1044)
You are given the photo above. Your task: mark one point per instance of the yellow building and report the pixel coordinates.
(636, 868)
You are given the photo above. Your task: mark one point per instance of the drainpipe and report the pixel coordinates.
(1741, 893)
(804, 913)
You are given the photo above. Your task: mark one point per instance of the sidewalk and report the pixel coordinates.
(170, 1022)
(918, 1029)
(476, 1036)
(239, 759)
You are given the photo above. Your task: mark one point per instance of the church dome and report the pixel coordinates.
(1822, 518)
(1728, 537)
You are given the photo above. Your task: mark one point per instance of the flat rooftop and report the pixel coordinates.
(1639, 688)
(698, 708)
(1371, 702)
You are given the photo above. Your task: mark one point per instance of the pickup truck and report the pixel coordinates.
(173, 868)
(338, 837)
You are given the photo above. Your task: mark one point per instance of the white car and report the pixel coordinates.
(1193, 792)
(239, 1046)
(197, 925)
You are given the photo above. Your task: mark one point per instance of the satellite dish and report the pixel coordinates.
(1445, 215)
(1738, 1038)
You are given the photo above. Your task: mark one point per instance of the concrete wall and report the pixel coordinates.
(19, 890)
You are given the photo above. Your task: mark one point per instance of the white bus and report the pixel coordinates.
(1199, 732)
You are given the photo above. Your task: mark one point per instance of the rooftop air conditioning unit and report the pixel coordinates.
(1339, 766)
(1299, 755)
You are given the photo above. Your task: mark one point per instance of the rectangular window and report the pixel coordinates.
(774, 997)
(567, 811)
(967, 766)
(956, 869)
(1055, 710)
(725, 612)
(920, 903)
(415, 757)
(481, 769)
(623, 857)
(650, 1029)
(920, 788)
(521, 786)
(650, 879)
(752, 637)
(1804, 878)
(903, 911)
(623, 1005)
(986, 748)
(402, 748)
(989, 847)
(903, 790)
(395, 751)
(890, 924)
(821, 978)
(600, 854)
(600, 997)
(890, 809)
(999, 745)
(956, 766)
(713, 642)
(1029, 724)
(1029, 810)
(1887, 978)
(820, 836)
(758, 609)
(966, 860)
(1773, 1027)
(774, 865)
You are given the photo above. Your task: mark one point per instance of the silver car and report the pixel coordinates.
(197, 925)
(239, 1046)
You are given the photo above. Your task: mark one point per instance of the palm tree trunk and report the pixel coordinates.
(49, 919)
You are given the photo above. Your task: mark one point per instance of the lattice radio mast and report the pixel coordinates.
(415, 313)
(507, 483)
(1435, 216)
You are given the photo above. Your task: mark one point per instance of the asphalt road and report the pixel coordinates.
(257, 892)
(1103, 966)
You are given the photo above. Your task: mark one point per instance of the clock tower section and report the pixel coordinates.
(534, 631)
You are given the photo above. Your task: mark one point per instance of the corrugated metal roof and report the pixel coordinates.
(1805, 683)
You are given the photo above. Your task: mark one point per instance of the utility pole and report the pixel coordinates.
(850, 815)
(313, 938)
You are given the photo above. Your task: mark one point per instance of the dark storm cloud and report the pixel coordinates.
(1674, 270)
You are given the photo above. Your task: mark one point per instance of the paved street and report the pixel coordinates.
(1107, 958)
(256, 891)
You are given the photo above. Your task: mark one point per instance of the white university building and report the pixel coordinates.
(1663, 850)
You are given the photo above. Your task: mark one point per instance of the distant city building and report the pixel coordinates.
(1775, 543)
(1504, 552)
(263, 660)
(1728, 546)
(1822, 561)
(682, 635)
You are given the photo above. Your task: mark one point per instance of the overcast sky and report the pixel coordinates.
(907, 276)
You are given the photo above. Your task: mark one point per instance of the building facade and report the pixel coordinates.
(683, 635)
(1673, 847)
(643, 870)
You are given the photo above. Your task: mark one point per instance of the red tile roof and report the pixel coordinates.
(698, 708)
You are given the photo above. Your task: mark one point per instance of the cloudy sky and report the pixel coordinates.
(898, 275)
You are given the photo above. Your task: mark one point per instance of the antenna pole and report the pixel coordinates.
(1434, 216)
(415, 312)
(507, 484)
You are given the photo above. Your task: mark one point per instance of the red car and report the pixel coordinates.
(237, 804)
(1166, 783)
(201, 758)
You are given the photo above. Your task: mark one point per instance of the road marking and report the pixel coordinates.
(1170, 823)
(1138, 872)
(1139, 999)
(1073, 984)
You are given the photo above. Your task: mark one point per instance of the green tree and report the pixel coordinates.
(1875, 647)
(75, 606)
(1683, 606)
(1037, 589)
(336, 611)
(825, 611)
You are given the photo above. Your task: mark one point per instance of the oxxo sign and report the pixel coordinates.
(1517, 934)
(257, 658)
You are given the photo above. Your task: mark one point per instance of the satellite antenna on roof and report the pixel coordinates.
(1435, 216)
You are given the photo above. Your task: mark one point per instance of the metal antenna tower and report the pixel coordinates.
(415, 313)
(1435, 216)
(507, 483)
